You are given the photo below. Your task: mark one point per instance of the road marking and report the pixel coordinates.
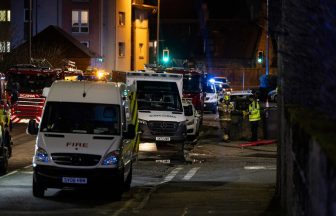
(191, 173)
(127, 204)
(172, 174)
(26, 167)
(260, 167)
(27, 172)
(19, 136)
(8, 174)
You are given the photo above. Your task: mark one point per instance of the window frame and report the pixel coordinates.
(121, 49)
(121, 18)
(80, 24)
(4, 46)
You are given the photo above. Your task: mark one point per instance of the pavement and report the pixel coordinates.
(210, 146)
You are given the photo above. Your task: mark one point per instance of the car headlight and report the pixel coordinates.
(111, 159)
(41, 155)
(142, 121)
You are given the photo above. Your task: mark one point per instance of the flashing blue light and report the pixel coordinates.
(41, 155)
(111, 159)
(212, 80)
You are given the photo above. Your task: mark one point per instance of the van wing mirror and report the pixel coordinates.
(130, 134)
(32, 127)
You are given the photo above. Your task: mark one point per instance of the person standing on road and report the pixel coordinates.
(254, 116)
(224, 111)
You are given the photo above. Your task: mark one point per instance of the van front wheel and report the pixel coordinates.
(4, 161)
(38, 189)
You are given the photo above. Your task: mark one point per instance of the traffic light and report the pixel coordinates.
(165, 55)
(260, 58)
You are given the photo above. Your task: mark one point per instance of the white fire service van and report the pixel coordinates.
(160, 109)
(86, 137)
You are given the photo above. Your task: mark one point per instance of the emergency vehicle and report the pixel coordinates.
(87, 137)
(25, 83)
(160, 109)
(95, 74)
(193, 85)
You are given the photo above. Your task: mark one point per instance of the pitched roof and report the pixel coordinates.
(71, 47)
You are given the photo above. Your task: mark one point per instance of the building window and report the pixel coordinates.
(4, 15)
(80, 21)
(121, 18)
(85, 43)
(141, 56)
(4, 46)
(121, 49)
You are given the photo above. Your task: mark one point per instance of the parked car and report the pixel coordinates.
(240, 121)
(240, 100)
(193, 119)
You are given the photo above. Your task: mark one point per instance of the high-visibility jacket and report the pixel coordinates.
(254, 111)
(4, 116)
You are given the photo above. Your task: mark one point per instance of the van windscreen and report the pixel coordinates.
(159, 96)
(86, 118)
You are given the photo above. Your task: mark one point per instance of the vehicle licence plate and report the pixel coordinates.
(73, 180)
(162, 138)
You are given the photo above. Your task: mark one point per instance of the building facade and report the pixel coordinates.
(5, 19)
(110, 29)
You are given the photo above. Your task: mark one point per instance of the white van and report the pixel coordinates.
(86, 138)
(160, 109)
(211, 98)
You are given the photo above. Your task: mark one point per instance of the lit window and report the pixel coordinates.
(4, 15)
(121, 49)
(8, 15)
(121, 18)
(4, 46)
(141, 55)
(80, 21)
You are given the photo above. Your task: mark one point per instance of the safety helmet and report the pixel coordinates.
(227, 96)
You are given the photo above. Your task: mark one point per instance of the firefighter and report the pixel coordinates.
(5, 123)
(224, 110)
(254, 116)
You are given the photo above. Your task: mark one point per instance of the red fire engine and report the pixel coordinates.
(25, 83)
(193, 83)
